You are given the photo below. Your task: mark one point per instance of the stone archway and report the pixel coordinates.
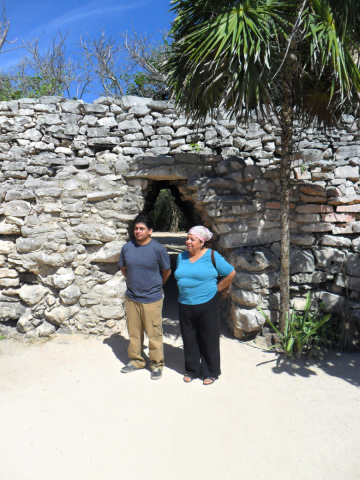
(227, 196)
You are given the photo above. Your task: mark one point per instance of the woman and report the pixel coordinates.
(199, 305)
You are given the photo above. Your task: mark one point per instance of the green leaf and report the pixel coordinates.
(280, 335)
(321, 322)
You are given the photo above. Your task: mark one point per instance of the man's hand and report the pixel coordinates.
(123, 271)
(165, 275)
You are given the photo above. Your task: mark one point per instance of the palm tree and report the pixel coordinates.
(296, 58)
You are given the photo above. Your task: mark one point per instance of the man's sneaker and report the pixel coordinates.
(129, 368)
(156, 373)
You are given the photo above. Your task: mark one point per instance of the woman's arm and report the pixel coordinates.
(224, 282)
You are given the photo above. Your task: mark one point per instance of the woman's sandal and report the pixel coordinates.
(209, 378)
(188, 376)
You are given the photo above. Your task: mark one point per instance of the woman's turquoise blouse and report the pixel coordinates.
(197, 282)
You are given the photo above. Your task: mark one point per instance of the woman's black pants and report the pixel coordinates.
(200, 331)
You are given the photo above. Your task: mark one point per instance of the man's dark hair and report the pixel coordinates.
(145, 219)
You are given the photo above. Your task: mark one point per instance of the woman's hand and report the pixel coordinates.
(224, 282)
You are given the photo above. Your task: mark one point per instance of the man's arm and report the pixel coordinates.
(165, 275)
(123, 271)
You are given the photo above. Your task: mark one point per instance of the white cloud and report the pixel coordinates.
(91, 10)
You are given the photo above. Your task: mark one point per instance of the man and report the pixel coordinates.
(146, 266)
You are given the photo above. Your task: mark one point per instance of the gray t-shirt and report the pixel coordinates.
(144, 265)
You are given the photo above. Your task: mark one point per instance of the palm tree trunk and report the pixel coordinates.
(287, 126)
(286, 153)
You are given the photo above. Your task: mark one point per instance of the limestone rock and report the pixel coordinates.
(255, 282)
(351, 173)
(248, 320)
(130, 125)
(329, 259)
(17, 208)
(310, 155)
(70, 294)
(352, 264)
(72, 107)
(139, 110)
(8, 228)
(355, 244)
(54, 260)
(332, 302)
(32, 294)
(19, 195)
(95, 231)
(255, 237)
(61, 279)
(302, 240)
(159, 105)
(100, 169)
(102, 195)
(45, 329)
(317, 227)
(251, 172)
(353, 283)
(95, 108)
(347, 151)
(109, 253)
(301, 261)
(6, 247)
(109, 313)
(59, 315)
(245, 298)
(9, 282)
(48, 192)
(128, 101)
(103, 142)
(121, 166)
(254, 259)
(11, 310)
(26, 245)
(8, 273)
(309, 278)
(332, 241)
(24, 323)
(114, 288)
(108, 122)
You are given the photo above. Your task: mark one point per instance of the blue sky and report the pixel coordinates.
(31, 18)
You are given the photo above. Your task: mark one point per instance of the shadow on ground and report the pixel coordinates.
(174, 356)
(336, 364)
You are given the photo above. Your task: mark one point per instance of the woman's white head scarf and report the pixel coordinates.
(202, 233)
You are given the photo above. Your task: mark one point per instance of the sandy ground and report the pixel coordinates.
(67, 413)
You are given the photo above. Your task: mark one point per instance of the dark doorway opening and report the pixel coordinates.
(166, 215)
(163, 197)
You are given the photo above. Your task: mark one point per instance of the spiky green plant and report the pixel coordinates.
(300, 335)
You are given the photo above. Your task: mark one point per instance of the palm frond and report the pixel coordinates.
(227, 54)
(224, 59)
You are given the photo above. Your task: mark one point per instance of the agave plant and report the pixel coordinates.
(300, 336)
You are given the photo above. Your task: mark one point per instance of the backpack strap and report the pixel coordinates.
(213, 259)
(225, 291)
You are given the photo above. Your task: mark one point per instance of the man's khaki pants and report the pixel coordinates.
(146, 316)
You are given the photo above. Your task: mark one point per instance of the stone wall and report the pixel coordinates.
(75, 175)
